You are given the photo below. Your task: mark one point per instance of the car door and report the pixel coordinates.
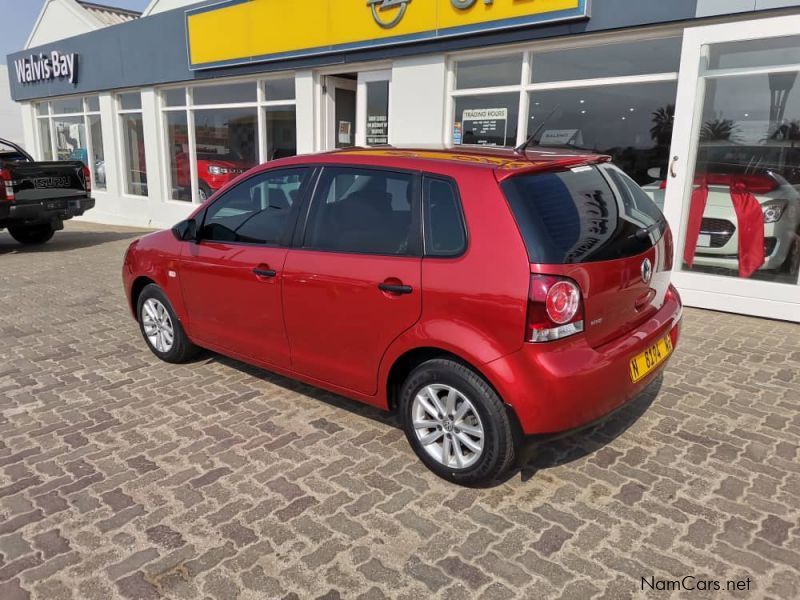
(352, 284)
(231, 277)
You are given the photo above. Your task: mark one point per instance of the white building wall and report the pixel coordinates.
(418, 101)
(59, 21)
(157, 6)
(10, 113)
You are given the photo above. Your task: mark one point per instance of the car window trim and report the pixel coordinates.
(459, 207)
(286, 237)
(415, 243)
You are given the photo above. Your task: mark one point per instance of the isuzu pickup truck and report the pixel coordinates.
(37, 197)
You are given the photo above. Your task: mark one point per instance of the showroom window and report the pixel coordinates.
(214, 133)
(70, 129)
(615, 98)
(133, 146)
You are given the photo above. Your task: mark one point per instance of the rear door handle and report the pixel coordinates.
(265, 272)
(392, 288)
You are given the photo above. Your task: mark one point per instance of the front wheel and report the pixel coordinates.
(456, 423)
(161, 328)
(792, 263)
(32, 234)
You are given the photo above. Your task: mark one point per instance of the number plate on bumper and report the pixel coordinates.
(643, 363)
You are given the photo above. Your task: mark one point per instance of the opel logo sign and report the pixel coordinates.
(647, 270)
(396, 10)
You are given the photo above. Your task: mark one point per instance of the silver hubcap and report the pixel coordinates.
(157, 325)
(448, 426)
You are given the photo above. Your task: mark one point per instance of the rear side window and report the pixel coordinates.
(444, 225)
(585, 214)
(367, 211)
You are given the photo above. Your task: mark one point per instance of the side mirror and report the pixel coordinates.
(654, 173)
(185, 231)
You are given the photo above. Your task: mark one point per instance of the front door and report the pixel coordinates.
(340, 112)
(231, 278)
(354, 285)
(733, 187)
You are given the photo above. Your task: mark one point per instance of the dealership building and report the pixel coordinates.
(697, 100)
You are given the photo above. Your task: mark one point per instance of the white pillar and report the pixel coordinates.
(307, 118)
(418, 101)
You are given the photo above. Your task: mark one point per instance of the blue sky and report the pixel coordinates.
(18, 17)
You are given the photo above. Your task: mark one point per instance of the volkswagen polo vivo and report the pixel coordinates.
(484, 294)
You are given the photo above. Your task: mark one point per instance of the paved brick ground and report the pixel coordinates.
(124, 477)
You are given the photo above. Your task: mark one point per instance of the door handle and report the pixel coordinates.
(265, 272)
(392, 288)
(672, 167)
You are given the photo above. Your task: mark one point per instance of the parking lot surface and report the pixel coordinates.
(123, 477)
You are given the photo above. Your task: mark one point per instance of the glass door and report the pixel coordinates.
(373, 108)
(340, 112)
(732, 193)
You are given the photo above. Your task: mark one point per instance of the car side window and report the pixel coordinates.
(362, 210)
(444, 224)
(256, 211)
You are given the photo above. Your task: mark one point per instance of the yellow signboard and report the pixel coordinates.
(245, 31)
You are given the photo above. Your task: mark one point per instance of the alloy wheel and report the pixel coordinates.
(158, 327)
(448, 426)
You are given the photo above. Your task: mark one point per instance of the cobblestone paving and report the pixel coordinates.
(125, 477)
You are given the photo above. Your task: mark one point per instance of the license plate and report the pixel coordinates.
(704, 240)
(643, 363)
(74, 204)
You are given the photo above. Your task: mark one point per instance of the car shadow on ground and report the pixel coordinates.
(536, 454)
(67, 240)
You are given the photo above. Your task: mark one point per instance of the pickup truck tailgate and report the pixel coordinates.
(34, 182)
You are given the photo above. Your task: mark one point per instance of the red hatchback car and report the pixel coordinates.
(483, 294)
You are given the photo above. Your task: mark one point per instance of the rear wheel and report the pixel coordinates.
(456, 423)
(32, 234)
(161, 328)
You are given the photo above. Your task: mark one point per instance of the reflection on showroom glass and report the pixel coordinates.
(743, 214)
(632, 123)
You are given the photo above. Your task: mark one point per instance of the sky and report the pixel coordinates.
(18, 16)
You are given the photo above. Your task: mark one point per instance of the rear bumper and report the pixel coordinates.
(44, 211)
(566, 385)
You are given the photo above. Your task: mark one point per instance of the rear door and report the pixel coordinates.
(597, 226)
(231, 279)
(353, 284)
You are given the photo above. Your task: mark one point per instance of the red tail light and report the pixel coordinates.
(6, 185)
(87, 179)
(555, 309)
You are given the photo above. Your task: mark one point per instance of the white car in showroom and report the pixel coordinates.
(772, 174)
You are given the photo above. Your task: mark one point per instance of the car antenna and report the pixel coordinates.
(532, 138)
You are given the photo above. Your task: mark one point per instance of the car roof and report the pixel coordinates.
(505, 162)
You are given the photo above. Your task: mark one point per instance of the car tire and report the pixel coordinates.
(161, 328)
(792, 263)
(456, 431)
(31, 235)
(204, 192)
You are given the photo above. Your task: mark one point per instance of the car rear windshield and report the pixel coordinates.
(584, 214)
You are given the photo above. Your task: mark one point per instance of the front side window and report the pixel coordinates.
(444, 225)
(362, 210)
(257, 211)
